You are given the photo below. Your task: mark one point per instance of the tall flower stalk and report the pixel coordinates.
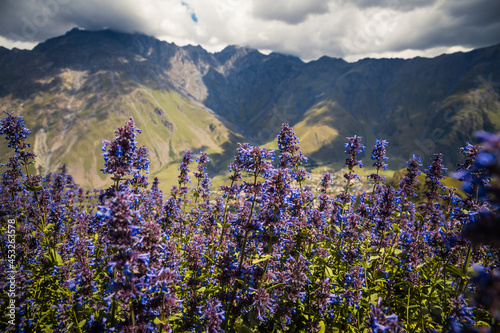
(121, 156)
(353, 148)
(378, 155)
(255, 161)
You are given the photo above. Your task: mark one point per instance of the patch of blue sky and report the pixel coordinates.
(191, 11)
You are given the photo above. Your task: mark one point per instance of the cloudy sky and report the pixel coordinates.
(308, 29)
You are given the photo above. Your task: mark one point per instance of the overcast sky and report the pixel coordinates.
(308, 29)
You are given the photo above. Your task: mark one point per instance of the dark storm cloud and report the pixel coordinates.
(480, 13)
(470, 24)
(37, 20)
(305, 28)
(401, 5)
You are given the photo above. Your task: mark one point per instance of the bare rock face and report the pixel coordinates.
(75, 89)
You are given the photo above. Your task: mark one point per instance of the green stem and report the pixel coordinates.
(375, 182)
(162, 316)
(50, 246)
(421, 315)
(117, 183)
(263, 275)
(347, 185)
(196, 191)
(225, 217)
(113, 304)
(76, 320)
(408, 310)
(466, 267)
(387, 254)
(132, 314)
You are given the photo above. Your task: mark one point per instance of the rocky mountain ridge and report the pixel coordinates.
(75, 89)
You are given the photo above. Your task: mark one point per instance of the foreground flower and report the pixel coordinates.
(121, 156)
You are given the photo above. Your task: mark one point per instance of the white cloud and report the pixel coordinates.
(308, 29)
(10, 44)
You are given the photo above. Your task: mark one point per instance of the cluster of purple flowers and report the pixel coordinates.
(353, 148)
(270, 254)
(378, 155)
(121, 156)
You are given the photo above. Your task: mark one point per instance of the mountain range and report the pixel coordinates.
(74, 90)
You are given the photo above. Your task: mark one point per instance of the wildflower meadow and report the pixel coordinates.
(269, 254)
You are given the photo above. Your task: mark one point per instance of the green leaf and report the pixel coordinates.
(373, 258)
(395, 259)
(366, 265)
(329, 272)
(455, 270)
(322, 327)
(482, 323)
(165, 321)
(308, 203)
(241, 328)
(274, 286)
(174, 317)
(264, 258)
(59, 260)
(471, 272)
(437, 310)
(81, 323)
(32, 188)
(48, 226)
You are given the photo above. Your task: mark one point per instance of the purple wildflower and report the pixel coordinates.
(184, 171)
(204, 182)
(121, 156)
(474, 173)
(353, 148)
(434, 174)
(120, 220)
(298, 271)
(263, 304)
(213, 316)
(488, 290)
(379, 321)
(323, 297)
(409, 181)
(15, 132)
(288, 144)
(378, 155)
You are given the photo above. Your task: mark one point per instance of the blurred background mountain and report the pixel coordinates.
(74, 90)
